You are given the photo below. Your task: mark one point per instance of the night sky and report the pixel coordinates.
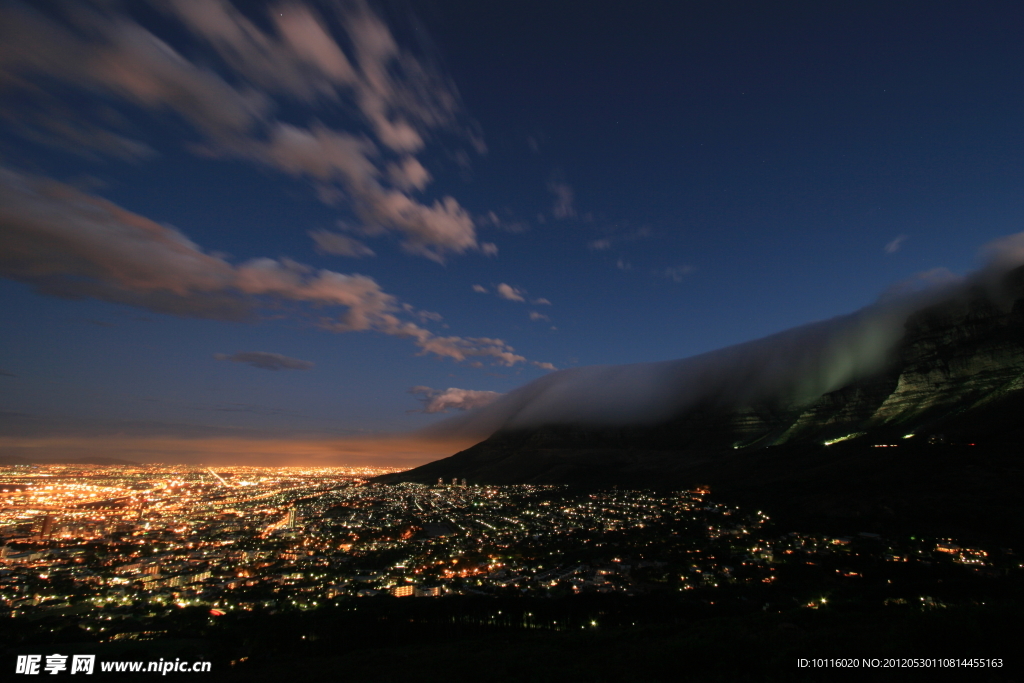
(288, 232)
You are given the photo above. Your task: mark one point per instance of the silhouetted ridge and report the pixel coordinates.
(954, 378)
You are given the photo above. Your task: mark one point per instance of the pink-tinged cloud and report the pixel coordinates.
(340, 245)
(509, 292)
(125, 60)
(409, 174)
(329, 156)
(399, 96)
(437, 401)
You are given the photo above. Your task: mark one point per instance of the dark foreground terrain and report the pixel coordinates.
(394, 640)
(722, 635)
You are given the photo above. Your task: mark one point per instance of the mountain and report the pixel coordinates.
(933, 433)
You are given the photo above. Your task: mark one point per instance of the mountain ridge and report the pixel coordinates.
(955, 377)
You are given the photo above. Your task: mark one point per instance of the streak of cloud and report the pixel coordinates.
(266, 361)
(400, 97)
(895, 245)
(68, 243)
(437, 401)
(564, 206)
(340, 245)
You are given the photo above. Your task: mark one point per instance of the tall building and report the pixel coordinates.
(290, 522)
(42, 528)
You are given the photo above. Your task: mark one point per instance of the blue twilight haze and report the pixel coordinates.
(237, 231)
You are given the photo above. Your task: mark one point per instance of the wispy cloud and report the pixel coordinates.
(674, 273)
(509, 224)
(69, 243)
(329, 156)
(341, 245)
(509, 292)
(606, 243)
(400, 97)
(437, 401)
(266, 361)
(409, 174)
(564, 206)
(895, 245)
(71, 133)
(534, 315)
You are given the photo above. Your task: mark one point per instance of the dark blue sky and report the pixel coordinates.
(270, 222)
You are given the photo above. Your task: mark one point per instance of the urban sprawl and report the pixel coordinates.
(110, 543)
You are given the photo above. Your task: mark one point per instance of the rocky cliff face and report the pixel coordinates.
(957, 371)
(955, 358)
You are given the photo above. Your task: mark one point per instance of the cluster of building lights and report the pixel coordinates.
(109, 542)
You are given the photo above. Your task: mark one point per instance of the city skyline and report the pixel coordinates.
(298, 233)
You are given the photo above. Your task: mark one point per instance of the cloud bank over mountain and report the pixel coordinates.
(792, 367)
